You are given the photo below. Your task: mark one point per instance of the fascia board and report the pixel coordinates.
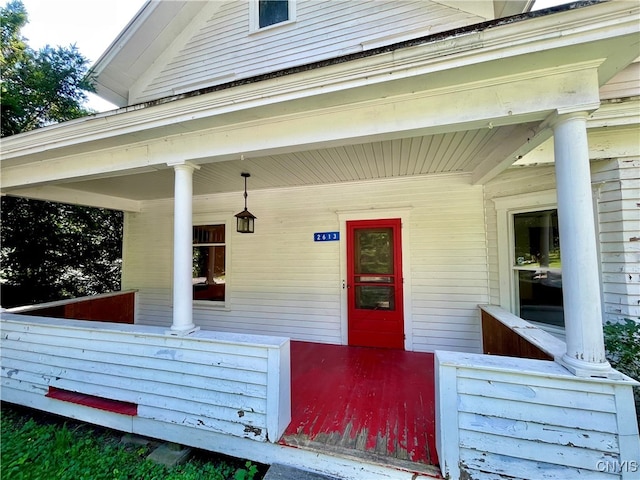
(54, 193)
(512, 39)
(150, 32)
(115, 48)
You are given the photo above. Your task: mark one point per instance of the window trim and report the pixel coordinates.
(254, 17)
(213, 219)
(506, 208)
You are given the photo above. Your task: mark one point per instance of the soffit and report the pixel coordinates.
(424, 155)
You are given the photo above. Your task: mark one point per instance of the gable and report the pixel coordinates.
(178, 47)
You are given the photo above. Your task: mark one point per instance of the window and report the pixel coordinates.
(537, 266)
(271, 12)
(267, 14)
(209, 263)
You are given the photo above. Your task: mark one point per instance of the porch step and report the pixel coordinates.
(284, 472)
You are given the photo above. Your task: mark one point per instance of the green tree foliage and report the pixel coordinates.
(39, 87)
(52, 251)
(49, 251)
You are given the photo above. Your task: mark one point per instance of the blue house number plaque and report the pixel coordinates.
(326, 236)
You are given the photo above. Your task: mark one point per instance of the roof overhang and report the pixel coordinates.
(158, 23)
(146, 36)
(516, 75)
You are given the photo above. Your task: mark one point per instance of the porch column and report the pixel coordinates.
(580, 280)
(183, 250)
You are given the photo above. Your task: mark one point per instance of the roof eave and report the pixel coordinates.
(206, 102)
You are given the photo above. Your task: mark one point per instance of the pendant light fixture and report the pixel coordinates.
(245, 219)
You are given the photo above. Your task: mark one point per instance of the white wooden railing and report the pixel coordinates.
(223, 383)
(522, 418)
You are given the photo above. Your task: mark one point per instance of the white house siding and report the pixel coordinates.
(616, 185)
(281, 282)
(221, 47)
(531, 419)
(618, 192)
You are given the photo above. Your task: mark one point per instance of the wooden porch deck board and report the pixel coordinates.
(372, 403)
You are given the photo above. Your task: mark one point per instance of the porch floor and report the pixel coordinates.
(374, 404)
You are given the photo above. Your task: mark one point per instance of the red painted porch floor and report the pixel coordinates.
(372, 404)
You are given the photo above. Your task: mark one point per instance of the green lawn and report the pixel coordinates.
(40, 446)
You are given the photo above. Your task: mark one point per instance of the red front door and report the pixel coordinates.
(374, 283)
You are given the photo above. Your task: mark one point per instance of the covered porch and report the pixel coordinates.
(350, 408)
(413, 134)
(352, 412)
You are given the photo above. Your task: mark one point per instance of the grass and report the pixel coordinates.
(40, 446)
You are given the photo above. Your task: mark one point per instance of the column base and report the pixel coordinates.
(580, 368)
(182, 333)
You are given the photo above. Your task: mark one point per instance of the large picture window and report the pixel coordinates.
(537, 266)
(209, 263)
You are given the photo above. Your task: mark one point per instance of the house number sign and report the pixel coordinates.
(326, 236)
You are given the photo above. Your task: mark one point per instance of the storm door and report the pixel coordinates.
(374, 283)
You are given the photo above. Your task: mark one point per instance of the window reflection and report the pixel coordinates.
(538, 266)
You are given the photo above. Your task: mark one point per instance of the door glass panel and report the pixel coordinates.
(369, 297)
(373, 279)
(374, 251)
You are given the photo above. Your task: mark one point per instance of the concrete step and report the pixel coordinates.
(283, 472)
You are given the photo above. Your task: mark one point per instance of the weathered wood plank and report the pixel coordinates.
(522, 449)
(250, 428)
(537, 432)
(136, 366)
(503, 466)
(537, 395)
(597, 421)
(100, 380)
(168, 348)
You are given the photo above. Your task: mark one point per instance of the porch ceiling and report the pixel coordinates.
(443, 153)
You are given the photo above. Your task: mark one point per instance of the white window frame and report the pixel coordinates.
(208, 219)
(254, 17)
(506, 208)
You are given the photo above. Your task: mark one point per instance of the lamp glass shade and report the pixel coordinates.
(245, 222)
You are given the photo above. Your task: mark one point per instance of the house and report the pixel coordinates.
(446, 179)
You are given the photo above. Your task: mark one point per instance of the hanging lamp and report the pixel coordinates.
(245, 220)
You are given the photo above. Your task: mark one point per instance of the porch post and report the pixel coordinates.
(182, 250)
(585, 354)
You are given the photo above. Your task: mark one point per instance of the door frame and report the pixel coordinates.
(403, 213)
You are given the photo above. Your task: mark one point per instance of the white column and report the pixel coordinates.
(183, 250)
(585, 354)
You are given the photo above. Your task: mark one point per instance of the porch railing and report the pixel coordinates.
(139, 379)
(116, 307)
(504, 333)
(518, 412)
(526, 418)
